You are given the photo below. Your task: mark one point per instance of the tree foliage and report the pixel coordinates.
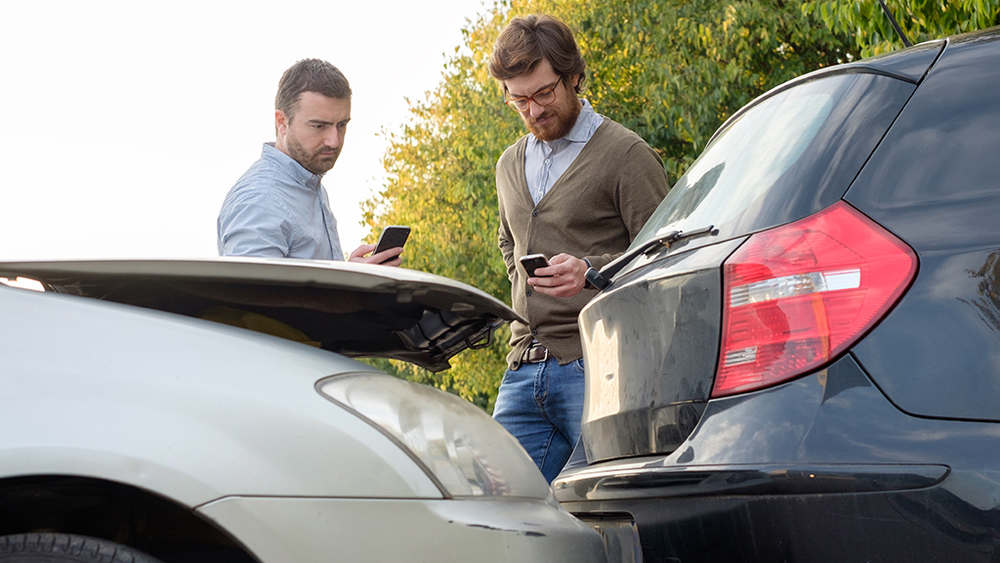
(672, 71)
(920, 20)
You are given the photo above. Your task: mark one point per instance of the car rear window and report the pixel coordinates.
(789, 155)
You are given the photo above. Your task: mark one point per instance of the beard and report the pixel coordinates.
(558, 120)
(318, 162)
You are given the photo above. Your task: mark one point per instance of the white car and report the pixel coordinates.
(138, 425)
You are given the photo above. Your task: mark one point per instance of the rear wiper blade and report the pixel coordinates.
(602, 279)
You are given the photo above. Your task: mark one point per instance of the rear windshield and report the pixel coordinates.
(785, 158)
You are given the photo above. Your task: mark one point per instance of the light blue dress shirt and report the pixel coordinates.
(545, 161)
(278, 209)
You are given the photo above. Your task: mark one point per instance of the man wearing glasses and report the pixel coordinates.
(577, 189)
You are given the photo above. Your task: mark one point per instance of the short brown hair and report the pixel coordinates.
(309, 75)
(529, 39)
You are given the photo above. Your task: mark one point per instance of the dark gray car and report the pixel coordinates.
(800, 358)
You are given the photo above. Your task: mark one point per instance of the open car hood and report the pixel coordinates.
(351, 309)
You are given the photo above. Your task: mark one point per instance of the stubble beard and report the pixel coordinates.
(319, 162)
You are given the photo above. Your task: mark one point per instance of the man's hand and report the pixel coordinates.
(392, 255)
(567, 276)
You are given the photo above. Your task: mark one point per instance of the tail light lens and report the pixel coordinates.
(798, 295)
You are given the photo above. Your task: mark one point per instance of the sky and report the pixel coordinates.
(128, 121)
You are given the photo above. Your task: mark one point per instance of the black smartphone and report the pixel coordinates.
(391, 237)
(532, 262)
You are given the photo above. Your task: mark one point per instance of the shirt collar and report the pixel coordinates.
(579, 133)
(581, 129)
(291, 166)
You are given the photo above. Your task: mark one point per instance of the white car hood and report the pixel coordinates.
(351, 309)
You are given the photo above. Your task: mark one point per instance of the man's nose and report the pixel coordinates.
(333, 138)
(535, 109)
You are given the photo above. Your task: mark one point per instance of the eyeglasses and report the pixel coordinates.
(543, 97)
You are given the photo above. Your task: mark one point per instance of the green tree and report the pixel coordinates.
(920, 20)
(672, 71)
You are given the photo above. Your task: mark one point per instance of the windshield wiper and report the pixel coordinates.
(602, 279)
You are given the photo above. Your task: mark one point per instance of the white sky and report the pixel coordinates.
(127, 122)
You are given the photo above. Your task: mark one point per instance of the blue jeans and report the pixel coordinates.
(541, 405)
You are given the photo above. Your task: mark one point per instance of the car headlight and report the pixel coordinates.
(459, 446)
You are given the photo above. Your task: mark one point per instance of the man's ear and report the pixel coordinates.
(576, 82)
(281, 122)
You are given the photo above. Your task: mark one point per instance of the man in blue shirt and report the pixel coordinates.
(279, 207)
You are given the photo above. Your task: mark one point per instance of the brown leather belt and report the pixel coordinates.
(534, 354)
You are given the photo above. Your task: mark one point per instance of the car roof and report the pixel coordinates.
(909, 65)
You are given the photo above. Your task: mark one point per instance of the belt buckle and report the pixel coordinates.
(531, 359)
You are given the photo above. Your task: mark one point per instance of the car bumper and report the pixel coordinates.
(763, 513)
(822, 468)
(377, 530)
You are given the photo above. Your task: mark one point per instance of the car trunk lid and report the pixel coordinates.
(650, 349)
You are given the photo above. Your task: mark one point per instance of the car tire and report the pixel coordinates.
(66, 548)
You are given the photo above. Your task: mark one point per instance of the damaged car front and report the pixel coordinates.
(209, 410)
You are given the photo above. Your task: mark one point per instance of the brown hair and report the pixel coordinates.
(529, 39)
(309, 75)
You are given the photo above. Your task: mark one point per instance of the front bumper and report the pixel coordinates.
(377, 530)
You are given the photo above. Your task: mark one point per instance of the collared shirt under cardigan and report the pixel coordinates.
(278, 209)
(593, 211)
(546, 161)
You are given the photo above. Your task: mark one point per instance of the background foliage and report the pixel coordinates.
(670, 70)
(920, 20)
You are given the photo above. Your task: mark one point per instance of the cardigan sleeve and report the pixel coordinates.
(504, 239)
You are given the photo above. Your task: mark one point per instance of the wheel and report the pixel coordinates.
(66, 548)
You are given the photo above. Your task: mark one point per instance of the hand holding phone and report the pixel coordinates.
(532, 262)
(393, 236)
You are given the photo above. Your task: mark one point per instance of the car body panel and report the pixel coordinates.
(648, 380)
(193, 410)
(942, 198)
(352, 309)
(407, 530)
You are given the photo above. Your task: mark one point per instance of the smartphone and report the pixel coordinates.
(532, 262)
(391, 237)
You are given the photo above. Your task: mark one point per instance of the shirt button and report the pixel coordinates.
(534, 332)
(548, 161)
(534, 213)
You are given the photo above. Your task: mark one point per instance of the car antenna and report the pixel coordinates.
(892, 20)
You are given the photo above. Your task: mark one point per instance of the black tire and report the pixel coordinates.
(66, 548)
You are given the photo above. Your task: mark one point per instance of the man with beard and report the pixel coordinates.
(577, 189)
(279, 207)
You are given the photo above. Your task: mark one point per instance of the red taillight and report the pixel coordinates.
(798, 295)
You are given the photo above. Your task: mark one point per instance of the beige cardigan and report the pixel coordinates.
(593, 211)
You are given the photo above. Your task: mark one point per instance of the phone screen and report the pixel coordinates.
(392, 237)
(532, 262)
